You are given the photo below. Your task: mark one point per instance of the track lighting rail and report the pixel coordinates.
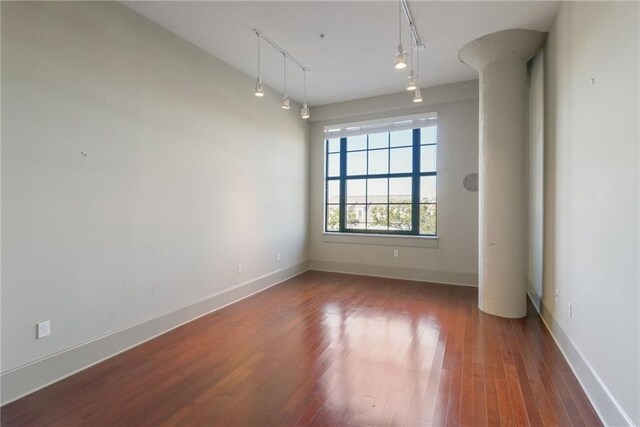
(282, 51)
(414, 31)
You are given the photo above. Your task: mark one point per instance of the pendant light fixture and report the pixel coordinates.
(259, 89)
(286, 57)
(417, 95)
(411, 80)
(401, 55)
(304, 112)
(285, 100)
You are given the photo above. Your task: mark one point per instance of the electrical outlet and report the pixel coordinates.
(239, 268)
(557, 295)
(43, 329)
(395, 253)
(570, 311)
(278, 256)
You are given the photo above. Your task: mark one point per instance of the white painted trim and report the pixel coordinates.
(381, 240)
(35, 375)
(389, 272)
(606, 406)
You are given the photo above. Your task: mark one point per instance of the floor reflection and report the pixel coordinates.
(380, 365)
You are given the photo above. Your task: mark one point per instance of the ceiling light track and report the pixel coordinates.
(304, 111)
(290, 57)
(415, 43)
(412, 27)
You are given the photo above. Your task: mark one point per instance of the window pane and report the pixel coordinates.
(401, 160)
(400, 217)
(333, 168)
(357, 143)
(334, 145)
(378, 161)
(428, 219)
(428, 135)
(401, 138)
(356, 191)
(378, 140)
(399, 190)
(377, 190)
(333, 191)
(357, 163)
(377, 216)
(333, 218)
(355, 217)
(427, 189)
(428, 158)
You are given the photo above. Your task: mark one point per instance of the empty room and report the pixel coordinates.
(320, 213)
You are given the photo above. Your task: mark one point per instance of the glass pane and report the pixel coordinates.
(333, 145)
(399, 217)
(333, 218)
(377, 216)
(399, 190)
(401, 160)
(333, 167)
(357, 163)
(401, 138)
(428, 158)
(356, 191)
(378, 161)
(428, 219)
(377, 190)
(378, 140)
(333, 191)
(357, 143)
(427, 189)
(355, 217)
(428, 135)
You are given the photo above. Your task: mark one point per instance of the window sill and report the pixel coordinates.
(381, 239)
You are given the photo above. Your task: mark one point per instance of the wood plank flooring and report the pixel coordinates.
(326, 349)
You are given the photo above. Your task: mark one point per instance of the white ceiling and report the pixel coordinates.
(355, 58)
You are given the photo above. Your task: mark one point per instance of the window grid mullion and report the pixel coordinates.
(415, 175)
(343, 185)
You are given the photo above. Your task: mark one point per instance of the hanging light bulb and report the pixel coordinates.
(259, 92)
(304, 112)
(401, 55)
(417, 95)
(401, 58)
(259, 89)
(285, 100)
(411, 80)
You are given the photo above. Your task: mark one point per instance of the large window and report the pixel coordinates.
(381, 177)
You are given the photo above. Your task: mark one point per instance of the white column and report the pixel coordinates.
(501, 60)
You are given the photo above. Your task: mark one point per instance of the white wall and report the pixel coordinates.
(186, 175)
(591, 199)
(453, 257)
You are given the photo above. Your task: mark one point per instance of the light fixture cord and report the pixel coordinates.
(304, 96)
(417, 65)
(284, 57)
(412, 51)
(257, 34)
(400, 22)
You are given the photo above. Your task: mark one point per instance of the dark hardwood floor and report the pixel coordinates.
(328, 349)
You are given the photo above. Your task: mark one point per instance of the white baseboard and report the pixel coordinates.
(422, 275)
(605, 405)
(25, 379)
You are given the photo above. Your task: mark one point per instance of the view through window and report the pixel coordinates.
(382, 182)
